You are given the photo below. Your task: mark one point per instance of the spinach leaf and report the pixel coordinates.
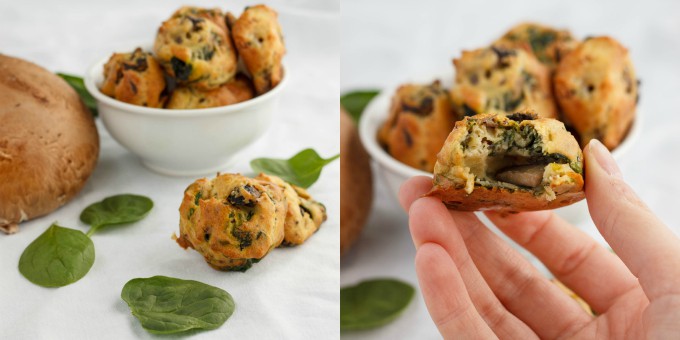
(302, 170)
(355, 102)
(78, 84)
(117, 209)
(373, 303)
(167, 305)
(58, 257)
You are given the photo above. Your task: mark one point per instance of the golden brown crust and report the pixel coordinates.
(500, 80)
(547, 44)
(195, 49)
(502, 199)
(135, 78)
(234, 91)
(597, 90)
(421, 116)
(259, 41)
(232, 220)
(303, 215)
(48, 142)
(356, 184)
(464, 173)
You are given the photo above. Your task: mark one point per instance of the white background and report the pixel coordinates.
(385, 43)
(292, 294)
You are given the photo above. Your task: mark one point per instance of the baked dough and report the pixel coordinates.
(135, 78)
(510, 163)
(548, 44)
(195, 50)
(500, 80)
(597, 90)
(259, 41)
(303, 214)
(421, 116)
(232, 220)
(234, 91)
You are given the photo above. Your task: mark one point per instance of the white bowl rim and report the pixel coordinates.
(93, 89)
(374, 116)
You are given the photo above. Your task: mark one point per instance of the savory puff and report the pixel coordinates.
(510, 163)
(213, 14)
(134, 78)
(303, 216)
(232, 220)
(421, 116)
(500, 80)
(548, 44)
(196, 51)
(234, 91)
(259, 41)
(597, 90)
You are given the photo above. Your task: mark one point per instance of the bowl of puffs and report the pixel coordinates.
(589, 86)
(206, 89)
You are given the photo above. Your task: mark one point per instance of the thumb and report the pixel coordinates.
(637, 236)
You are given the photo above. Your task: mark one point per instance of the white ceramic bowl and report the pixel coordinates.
(184, 142)
(395, 173)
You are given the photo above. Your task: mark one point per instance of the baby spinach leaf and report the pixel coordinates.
(302, 169)
(373, 303)
(78, 84)
(117, 209)
(355, 102)
(167, 305)
(58, 257)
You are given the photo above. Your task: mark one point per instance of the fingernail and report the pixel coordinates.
(604, 158)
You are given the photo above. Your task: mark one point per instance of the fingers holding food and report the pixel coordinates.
(597, 90)
(194, 48)
(420, 119)
(259, 41)
(501, 80)
(135, 78)
(512, 163)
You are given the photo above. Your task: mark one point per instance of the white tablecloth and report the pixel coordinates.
(390, 42)
(291, 294)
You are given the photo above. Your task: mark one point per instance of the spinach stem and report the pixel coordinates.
(91, 231)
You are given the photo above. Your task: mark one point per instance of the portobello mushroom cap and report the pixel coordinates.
(510, 163)
(48, 142)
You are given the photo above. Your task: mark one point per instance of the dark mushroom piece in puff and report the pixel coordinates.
(195, 50)
(232, 220)
(420, 119)
(304, 215)
(500, 80)
(259, 41)
(135, 78)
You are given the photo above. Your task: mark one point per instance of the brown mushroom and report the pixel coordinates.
(48, 142)
(356, 186)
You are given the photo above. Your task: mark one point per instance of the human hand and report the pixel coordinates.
(476, 285)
